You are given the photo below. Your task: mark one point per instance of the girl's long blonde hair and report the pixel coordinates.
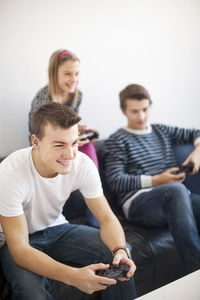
(56, 60)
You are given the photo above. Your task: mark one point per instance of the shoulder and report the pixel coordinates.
(81, 161)
(161, 127)
(158, 125)
(83, 167)
(42, 97)
(43, 92)
(119, 133)
(17, 162)
(16, 174)
(117, 141)
(80, 94)
(119, 136)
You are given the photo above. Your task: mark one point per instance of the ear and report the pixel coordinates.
(123, 111)
(34, 140)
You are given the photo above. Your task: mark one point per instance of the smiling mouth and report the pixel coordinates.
(64, 163)
(71, 86)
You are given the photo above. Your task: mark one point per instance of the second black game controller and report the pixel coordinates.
(114, 271)
(188, 168)
(90, 135)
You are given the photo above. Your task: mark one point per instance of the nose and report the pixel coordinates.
(68, 153)
(74, 78)
(142, 116)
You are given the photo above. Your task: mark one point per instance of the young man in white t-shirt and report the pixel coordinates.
(38, 245)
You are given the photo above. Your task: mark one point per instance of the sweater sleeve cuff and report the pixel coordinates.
(197, 141)
(146, 181)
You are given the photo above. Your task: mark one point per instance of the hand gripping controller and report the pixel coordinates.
(114, 271)
(188, 168)
(90, 135)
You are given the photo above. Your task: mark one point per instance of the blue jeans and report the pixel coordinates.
(172, 205)
(77, 245)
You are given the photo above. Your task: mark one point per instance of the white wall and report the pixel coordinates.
(152, 42)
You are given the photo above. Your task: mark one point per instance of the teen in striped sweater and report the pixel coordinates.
(141, 169)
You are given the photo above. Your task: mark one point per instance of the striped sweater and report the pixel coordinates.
(133, 156)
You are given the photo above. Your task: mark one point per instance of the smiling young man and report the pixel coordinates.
(141, 169)
(38, 245)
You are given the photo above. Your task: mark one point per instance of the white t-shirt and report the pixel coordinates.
(41, 200)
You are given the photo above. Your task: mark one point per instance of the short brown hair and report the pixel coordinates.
(54, 113)
(133, 91)
(55, 61)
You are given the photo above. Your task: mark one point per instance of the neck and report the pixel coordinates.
(62, 97)
(39, 166)
(133, 128)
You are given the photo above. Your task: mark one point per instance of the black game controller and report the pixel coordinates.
(187, 168)
(90, 135)
(114, 271)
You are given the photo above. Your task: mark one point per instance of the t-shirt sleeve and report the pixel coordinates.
(89, 180)
(12, 194)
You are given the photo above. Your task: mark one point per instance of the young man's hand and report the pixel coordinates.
(86, 280)
(121, 257)
(194, 158)
(170, 175)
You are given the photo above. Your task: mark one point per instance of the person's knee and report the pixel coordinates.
(28, 285)
(177, 197)
(32, 293)
(177, 189)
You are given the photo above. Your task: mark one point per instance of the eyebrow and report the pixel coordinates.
(59, 142)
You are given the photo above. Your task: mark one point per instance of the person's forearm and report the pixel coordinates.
(155, 180)
(112, 233)
(38, 262)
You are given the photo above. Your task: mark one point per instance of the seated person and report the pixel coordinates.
(37, 243)
(62, 87)
(141, 169)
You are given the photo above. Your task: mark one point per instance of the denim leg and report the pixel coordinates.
(81, 245)
(196, 209)
(74, 244)
(170, 204)
(122, 290)
(69, 244)
(25, 285)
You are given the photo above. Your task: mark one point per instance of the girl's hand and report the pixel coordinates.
(83, 140)
(83, 130)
